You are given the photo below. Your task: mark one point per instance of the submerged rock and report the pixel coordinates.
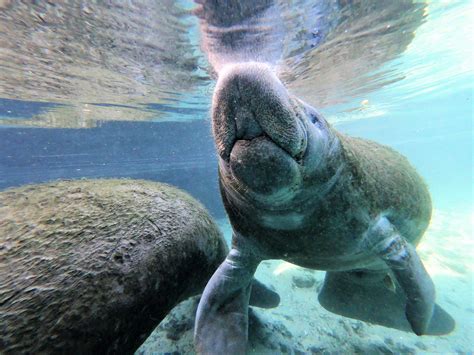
(303, 281)
(92, 266)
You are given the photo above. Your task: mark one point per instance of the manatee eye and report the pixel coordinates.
(314, 117)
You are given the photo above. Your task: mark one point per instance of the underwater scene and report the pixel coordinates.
(230, 177)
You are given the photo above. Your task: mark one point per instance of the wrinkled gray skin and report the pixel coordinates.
(291, 192)
(93, 266)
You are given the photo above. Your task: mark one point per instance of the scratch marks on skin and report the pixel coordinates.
(287, 221)
(385, 241)
(154, 225)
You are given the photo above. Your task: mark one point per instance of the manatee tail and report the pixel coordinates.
(371, 297)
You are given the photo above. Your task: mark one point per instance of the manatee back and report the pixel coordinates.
(92, 266)
(389, 184)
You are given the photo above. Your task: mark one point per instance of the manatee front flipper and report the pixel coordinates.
(409, 271)
(222, 316)
(366, 295)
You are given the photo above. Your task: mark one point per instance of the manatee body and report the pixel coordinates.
(296, 189)
(92, 266)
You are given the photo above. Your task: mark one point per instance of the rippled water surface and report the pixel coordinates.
(123, 89)
(153, 61)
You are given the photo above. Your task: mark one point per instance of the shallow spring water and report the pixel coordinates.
(123, 90)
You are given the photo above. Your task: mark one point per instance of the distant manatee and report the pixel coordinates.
(92, 266)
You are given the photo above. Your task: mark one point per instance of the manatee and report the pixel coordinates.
(296, 189)
(92, 266)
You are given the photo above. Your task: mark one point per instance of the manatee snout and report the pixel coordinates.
(251, 102)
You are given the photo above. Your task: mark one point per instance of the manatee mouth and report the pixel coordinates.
(253, 110)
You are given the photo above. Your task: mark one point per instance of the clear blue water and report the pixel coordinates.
(428, 115)
(124, 91)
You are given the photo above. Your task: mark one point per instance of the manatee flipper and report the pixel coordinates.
(222, 316)
(365, 295)
(377, 303)
(411, 275)
(263, 297)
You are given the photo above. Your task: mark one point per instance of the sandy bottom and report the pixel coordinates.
(300, 325)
